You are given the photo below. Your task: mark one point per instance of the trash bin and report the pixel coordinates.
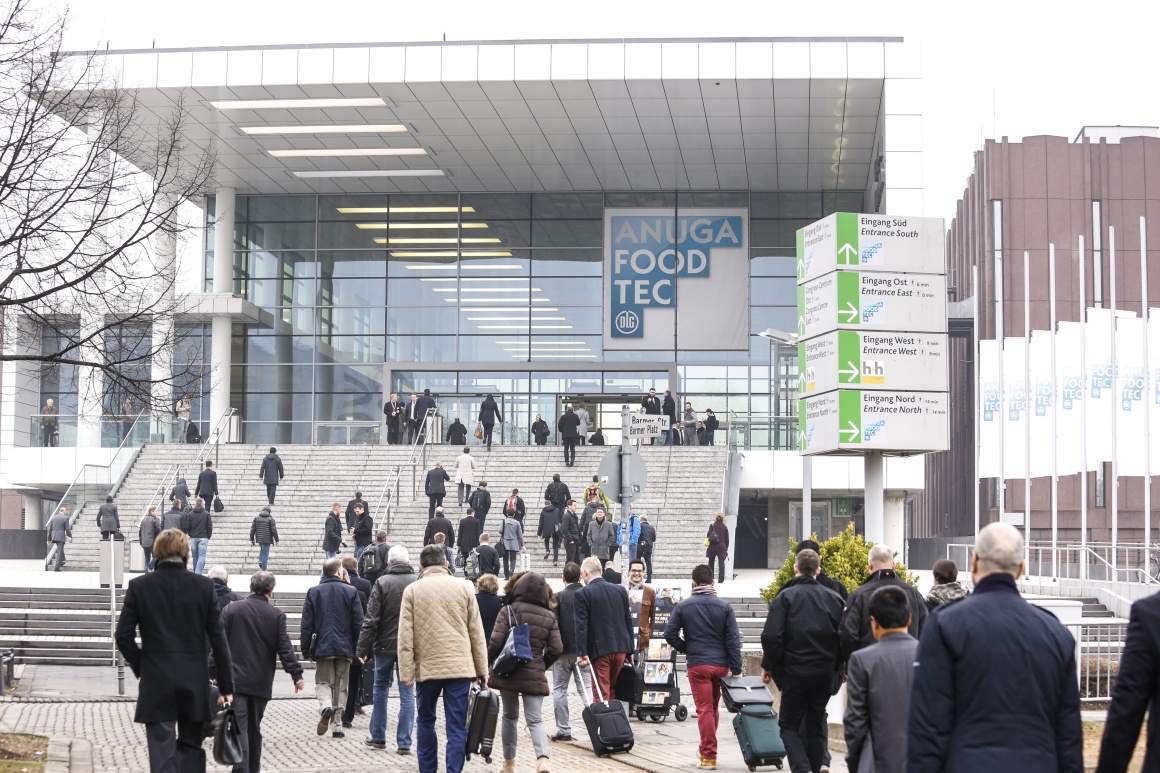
(136, 556)
(115, 549)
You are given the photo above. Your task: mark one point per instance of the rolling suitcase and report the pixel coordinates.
(607, 725)
(759, 737)
(482, 713)
(739, 691)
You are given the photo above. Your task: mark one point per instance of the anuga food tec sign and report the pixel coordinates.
(683, 274)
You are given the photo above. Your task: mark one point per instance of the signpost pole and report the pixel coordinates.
(625, 490)
(875, 503)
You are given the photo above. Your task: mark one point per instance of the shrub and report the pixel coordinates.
(843, 557)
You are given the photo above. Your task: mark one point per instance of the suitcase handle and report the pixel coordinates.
(583, 688)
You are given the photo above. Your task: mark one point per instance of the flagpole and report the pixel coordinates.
(1146, 399)
(1083, 466)
(978, 387)
(999, 332)
(1115, 413)
(1027, 401)
(1054, 437)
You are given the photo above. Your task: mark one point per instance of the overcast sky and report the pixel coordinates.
(990, 68)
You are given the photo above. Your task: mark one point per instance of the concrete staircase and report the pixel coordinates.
(682, 495)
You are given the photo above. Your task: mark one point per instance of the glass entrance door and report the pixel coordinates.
(819, 520)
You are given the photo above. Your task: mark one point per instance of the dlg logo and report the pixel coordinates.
(627, 322)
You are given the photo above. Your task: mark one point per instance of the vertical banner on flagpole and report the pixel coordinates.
(1100, 389)
(991, 395)
(1041, 396)
(1130, 426)
(1014, 407)
(1069, 412)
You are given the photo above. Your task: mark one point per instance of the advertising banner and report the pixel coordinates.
(862, 420)
(871, 243)
(1098, 382)
(902, 361)
(682, 274)
(1042, 393)
(1069, 390)
(990, 406)
(850, 300)
(1131, 388)
(1014, 408)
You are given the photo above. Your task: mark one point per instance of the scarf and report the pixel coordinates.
(635, 586)
(705, 590)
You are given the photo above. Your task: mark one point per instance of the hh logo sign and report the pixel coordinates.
(650, 252)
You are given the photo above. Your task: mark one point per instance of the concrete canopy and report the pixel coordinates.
(713, 114)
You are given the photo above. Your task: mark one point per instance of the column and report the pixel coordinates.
(223, 282)
(874, 498)
(161, 390)
(894, 524)
(90, 380)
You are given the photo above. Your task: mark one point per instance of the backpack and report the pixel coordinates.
(371, 564)
(471, 569)
(592, 492)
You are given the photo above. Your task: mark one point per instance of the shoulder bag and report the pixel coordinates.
(517, 650)
(217, 505)
(478, 431)
(227, 738)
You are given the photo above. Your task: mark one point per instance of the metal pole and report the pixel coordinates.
(120, 673)
(1027, 402)
(1000, 331)
(625, 491)
(1083, 468)
(978, 387)
(1146, 390)
(1054, 401)
(112, 599)
(1115, 413)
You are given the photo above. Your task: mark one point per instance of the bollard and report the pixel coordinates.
(120, 673)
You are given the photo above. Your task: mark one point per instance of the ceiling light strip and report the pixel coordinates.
(402, 210)
(409, 226)
(344, 152)
(346, 174)
(291, 104)
(374, 128)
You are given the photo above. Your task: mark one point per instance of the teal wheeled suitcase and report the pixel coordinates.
(759, 737)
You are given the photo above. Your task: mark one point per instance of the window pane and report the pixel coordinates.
(406, 382)
(352, 263)
(279, 236)
(348, 378)
(266, 264)
(764, 233)
(562, 262)
(280, 432)
(348, 407)
(773, 291)
(281, 292)
(428, 291)
(350, 321)
(713, 199)
(499, 206)
(422, 320)
(277, 378)
(354, 349)
(574, 291)
(263, 346)
(487, 348)
(568, 205)
(658, 199)
(763, 264)
(276, 208)
(360, 291)
(777, 317)
(567, 233)
(417, 348)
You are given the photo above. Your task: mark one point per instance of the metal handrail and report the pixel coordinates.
(213, 438)
(391, 484)
(1082, 550)
(72, 519)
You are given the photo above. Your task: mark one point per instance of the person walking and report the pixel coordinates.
(995, 678)
(481, 502)
(350, 513)
(373, 562)
(648, 602)
(464, 474)
(332, 531)
(183, 408)
(442, 649)
(601, 537)
(570, 534)
(540, 431)
(711, 426)
(469, 532)
(487, 597)
(597, 438)
(393, 412)
(644, 545)
(147, 531)
(331, 620)
(59, 531)
(489, 414)
(489, 562)
(199, 527)
(178, 619)
(855, 631)
(207, 483)
(704, 629)
(221, 586)
(514, 505)
(511, 537)
(568, 428)
(263, 533)
(527, 601)
(435, 487)
(414, 419)
(633, 535)
(548, 529)
(800, 654)
(603, 627)
(440, 524)
(107, 520)
(427, 410)
(1135, 692)
(354, 696)
(878, 681)
(833, 584)
(669, 409)
(584, 421)
(255, 630)
(557, 492)
(689, 426)
(271, 472)
(364, 529)
(717, 545)
(456, 432)
(947, 588)
(180, 492)
(174, 517)
(564, 669)
(380, 638)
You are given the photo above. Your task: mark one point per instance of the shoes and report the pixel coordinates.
(338, 734)
(509, 766)
(546, 556)
(824, 769)
(347, 724)
(555, 563)
(561, 737)
(542, 765)
(380, 745)
(403, 752)
(324, 722)
(707, 763)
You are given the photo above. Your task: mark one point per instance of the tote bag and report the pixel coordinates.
(517, 650)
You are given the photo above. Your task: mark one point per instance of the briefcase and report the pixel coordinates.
(741, 691)
(607, 725)
(482, 714)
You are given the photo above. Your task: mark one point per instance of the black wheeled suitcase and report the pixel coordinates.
(607, 724)
(482, 713)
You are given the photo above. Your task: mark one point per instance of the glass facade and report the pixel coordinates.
(353, 281)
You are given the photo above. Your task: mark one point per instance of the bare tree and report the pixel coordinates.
(89, 185)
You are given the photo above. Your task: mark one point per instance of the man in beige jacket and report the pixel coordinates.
(441, 646)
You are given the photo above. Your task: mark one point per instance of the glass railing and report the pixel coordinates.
(72, 431)
(756, 431)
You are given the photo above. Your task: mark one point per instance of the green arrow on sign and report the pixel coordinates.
(847, 239)
(849, 357)
(801, 253)
(801, 425)
(850, 416)
(801, 293)
(849, 297)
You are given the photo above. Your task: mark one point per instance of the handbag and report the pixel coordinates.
(227, 738)
(478, 431)
(517, 650)
(713, 538)
(217, 505)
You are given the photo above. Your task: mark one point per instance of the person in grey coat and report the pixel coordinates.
(878, 688)
(181, 493)
(601, 536)
(271, 472)
(585, 421)
(57, 532)
(511, 537)
(107, 520)
(147, 532)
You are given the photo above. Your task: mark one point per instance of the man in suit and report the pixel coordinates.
(393, 413)
(58, 531)
(350, 514)
(480, 501)
(177, 615)
(652, 407)
(564, 669)
(207, 487)
(256, 632)
(603, 627)
(489, 414)
(420, 407)
(1136, 691)
(435, 487)
(107, 520)
(570, 534)
(469, 531)
(878, 687)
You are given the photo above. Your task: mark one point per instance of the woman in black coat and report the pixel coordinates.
(332, 536)
(179, 620)
(540, 430)
(487, 597)
(719, 548)
(527, 599)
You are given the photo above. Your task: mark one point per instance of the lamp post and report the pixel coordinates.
(777, 338)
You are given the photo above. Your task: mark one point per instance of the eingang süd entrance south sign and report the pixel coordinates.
(676, 279)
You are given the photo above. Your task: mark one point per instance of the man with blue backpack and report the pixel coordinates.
(633, 536)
